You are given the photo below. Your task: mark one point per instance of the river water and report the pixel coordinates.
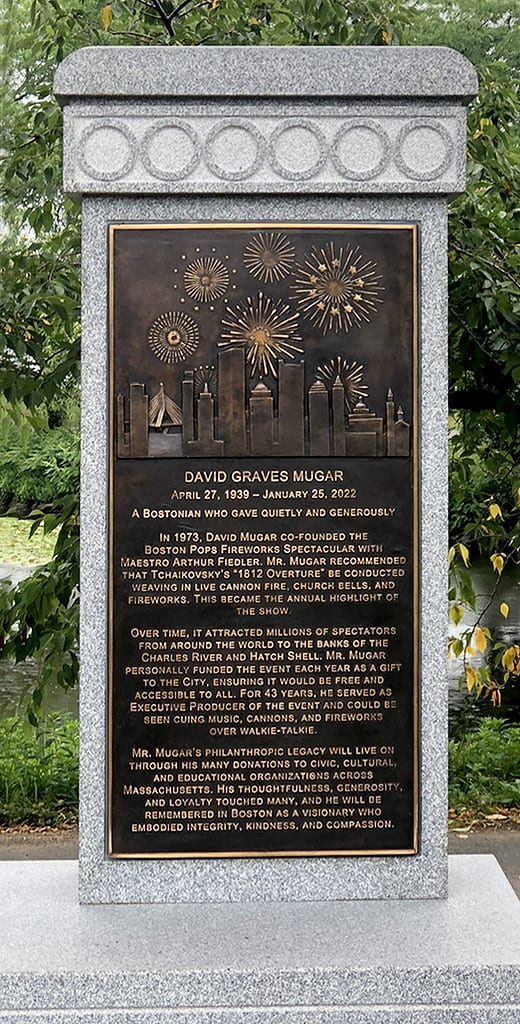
(16, 681)
(464, 710)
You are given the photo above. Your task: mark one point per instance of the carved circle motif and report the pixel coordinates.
(423, 150)
(360, 150)
(305, 136)
(170, 150)
(107, 151)
(221, 151)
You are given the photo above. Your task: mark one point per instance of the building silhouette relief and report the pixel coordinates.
(238, 420)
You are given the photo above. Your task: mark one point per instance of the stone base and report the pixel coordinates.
(454, 961)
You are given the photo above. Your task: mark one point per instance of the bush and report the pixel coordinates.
(485, 766)
(38, 772)
(40, 468)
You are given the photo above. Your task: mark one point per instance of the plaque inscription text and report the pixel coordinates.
(263, 533)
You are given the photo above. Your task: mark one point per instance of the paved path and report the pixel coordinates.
(502, 843)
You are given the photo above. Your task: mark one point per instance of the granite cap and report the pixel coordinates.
(368, 72)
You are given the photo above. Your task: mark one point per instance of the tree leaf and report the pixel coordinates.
(504, 609)
(464, 554)
(471, 677)
(106, 16)
(456, 614)
(495, 511)
(497, 561)
(480, 640)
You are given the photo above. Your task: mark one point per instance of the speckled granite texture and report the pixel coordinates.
(354, 71)
(264, 119)
(188, 131)
(266, 878)
(189, 147)
(439, 962)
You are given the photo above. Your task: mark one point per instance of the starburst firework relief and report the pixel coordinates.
(173, 337)
(204, 377)
(267, 330)
(350, 375)
(338, 290)
(269, 257)
(206, 279)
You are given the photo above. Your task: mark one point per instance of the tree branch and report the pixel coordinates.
(130, 35)
(488, 263)
(166, 20)
(177, 11)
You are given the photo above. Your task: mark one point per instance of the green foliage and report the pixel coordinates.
(39, 262)
(484, 260)
(38, 772)
(483, 30)
(41, 467)
(485, 767)
(484, 269)
(17, 548)
(233, 22)
(39, 617)
(500, 540)
(481, 471)
(484, 343)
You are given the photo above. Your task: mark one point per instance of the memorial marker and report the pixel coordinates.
(264, 497)
(263, 522)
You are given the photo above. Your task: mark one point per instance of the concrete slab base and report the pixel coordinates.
(454, 961)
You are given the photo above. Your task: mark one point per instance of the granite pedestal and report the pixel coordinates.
(266, 135)
(454, 961)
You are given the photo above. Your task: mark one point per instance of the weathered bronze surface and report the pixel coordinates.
(263, 518)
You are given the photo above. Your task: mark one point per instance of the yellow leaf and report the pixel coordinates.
(253, 21)
(106, 16)
(497, 561)
(386, 38)
(495, 511)
(504, 609)
(456, 613)
(511, 659)
(451, 556)
(471, 677)
(464, 554)
(480, 640)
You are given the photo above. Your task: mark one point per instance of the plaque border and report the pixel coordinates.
(414, 228)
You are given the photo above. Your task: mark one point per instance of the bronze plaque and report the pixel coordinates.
(263, 635)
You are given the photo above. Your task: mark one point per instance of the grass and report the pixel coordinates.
(17, 549)
(484, 767)
(38, 772)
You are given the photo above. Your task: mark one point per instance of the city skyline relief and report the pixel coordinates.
(262, 340)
